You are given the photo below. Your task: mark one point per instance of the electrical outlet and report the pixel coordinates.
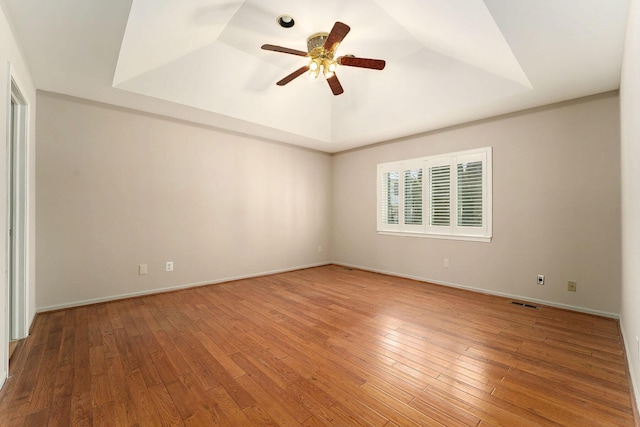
(445, 263)
(142, 269)
(540, 279)
(319, 248)
(169, 266)
(572, 286)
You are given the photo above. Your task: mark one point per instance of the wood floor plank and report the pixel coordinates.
(277, 388)
(186, 404)
(266, 402)
(100, 390)
(165, 406)
(216, 353)
(570, 405)
(37, 419)
(97, 363)
(397, 411)
(319, 347)
(125, 411)
(142, 352)
(348, 402)
(572, 382)
(232, 413)
(103, 415)
(81, 410)
(142, 400)
(492, 411)
(45, 383)
(60, 413)
(443, 413)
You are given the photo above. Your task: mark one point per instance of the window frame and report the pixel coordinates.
(453, 231)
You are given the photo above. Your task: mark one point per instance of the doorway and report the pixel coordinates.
(16, 229)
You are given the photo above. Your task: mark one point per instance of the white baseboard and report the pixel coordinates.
(266, 273)
(486, 291)
(171, 288)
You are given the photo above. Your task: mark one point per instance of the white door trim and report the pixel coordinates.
(17, 296)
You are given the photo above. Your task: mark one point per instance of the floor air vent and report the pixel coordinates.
(523, 304)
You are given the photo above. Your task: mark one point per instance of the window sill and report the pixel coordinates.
(483, 239)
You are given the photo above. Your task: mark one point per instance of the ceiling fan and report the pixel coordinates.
(321, 48)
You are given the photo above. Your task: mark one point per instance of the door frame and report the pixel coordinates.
(17, 292)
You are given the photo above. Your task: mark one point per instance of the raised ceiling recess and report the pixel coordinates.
(447, 61)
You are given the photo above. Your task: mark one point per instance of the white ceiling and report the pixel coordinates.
(448, 61)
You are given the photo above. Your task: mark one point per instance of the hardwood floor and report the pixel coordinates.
(323, 346)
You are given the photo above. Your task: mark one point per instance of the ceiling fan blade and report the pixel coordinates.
(335, 85)
(284, 50)
(300, 71)
(335, 37)
(352, 61)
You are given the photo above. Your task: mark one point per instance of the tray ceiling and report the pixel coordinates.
(448, 61)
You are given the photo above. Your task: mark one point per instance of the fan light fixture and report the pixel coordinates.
(321, 48)
(321, 59)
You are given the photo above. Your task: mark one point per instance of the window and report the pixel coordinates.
(446, 196)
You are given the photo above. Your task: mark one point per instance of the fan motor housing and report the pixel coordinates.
(316, 40)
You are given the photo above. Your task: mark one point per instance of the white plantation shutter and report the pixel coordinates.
(473, 196)
(388, 199)
(392, 197)
(413, 196)
(470, 194)
(440, 195)
(445, 196)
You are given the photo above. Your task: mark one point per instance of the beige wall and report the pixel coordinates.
(630, 112)
(556, 207)
(12, 62)
(118, 188)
